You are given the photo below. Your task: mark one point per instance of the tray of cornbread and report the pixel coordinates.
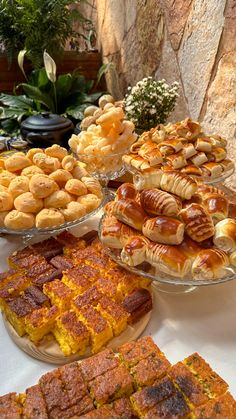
(45, 189)
(181, 146)
(172, 229)
(135, 381)
(63, 298)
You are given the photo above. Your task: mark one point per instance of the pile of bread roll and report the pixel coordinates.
(45, 188)
(180, 227)
(106, 138)
(181, 146)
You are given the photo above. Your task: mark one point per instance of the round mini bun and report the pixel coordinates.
(56, 151)
(32, 170)
(6, 201)
(61, 176)
(18, 185)
(27, 202)
(49, 217)
(6, 178)
(90, 201)
(42, 186)
(19, 220)
(76, 187)
(17, 162)
(58, 199)
(3, 214)
(74, 211)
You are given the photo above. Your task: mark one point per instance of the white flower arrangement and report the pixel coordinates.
(150, 102)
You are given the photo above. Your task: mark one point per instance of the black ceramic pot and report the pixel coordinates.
(45, 129)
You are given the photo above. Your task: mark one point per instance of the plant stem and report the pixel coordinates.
(55, 96)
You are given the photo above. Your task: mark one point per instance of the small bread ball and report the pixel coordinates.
(27, 202)
(18, 185)
(3, 214)
(58, 199)
(32, 170)
(76, 187)
(17, 162)
(92, 185)
(6, 201)
(46, 163)
(90, 201)
(56, 151)
(42, 186)
(49, 217)
(30, 154)
(61, 176)
(6, 178)
(74, 211)
(19, 220)
(104, 99)
(79, 171)
(89, 111)
(68, 163)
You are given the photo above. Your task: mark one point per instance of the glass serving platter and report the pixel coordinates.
(151, 272)
(57, 228)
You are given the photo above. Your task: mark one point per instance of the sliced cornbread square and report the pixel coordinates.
(16, 309)
(223, 407)
(48, 248)
(173, 407)
(41, 322)
(132, 352)
(145, 399)
(137, 304)
(105, 412)
(123, 408)
(38, 269)
(188, 384)
(90, 297)
(114, 313)
(59, 294)
(100, 329)
(7, 276)
(73, 382)
(70, 242)
(10, 406)
(36, 297)
(61, 262)
(149, 369)
(78, 279)
(34, 405)
(54, 393)
(212, 382)
(98, 364)
(109, 287)
(49, 275)
(71, 334)
(74, 412)
(29, 261)
(20, 254)
(13, 289)
(79, 256)
(111, 385)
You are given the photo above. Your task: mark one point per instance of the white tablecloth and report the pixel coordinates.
(201, 321)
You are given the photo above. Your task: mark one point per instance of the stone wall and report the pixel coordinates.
(191, 41)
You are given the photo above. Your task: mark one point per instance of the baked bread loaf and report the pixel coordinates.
(92, 185)
(168, 259)
(42, 186)
(76, 187)
(27, 202)
(58, 199)
(157, 202)
(19, 220)
(46, 163)
(56, 151)
(126, 190)
(60, 176)
(164, 230)
(151, 152)
(17, 162)
(90, 201)
(73, 211)
(49, 217)
(129, 212)
(179, 184)
(134, 251)
(148, 178)
(225, 235)
(6, 177)
(18, 185)
(29, 171)
(114, 233)
(198, 222)
(217, 205)
(210, 264)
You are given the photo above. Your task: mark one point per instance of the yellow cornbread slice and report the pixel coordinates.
(114, 313)
(71, 334)
(100, 330)
(41, 322)
(59, 294)
(16, 310)
(78, 278)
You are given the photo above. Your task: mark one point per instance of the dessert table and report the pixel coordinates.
(200, 321)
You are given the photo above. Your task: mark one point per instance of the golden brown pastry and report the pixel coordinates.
(225, 235)
(134, 161)
(58, 199)
(199, 158)
(157, 202)
(189, 247)
(179, 184)
(164, 230)
(187, 129)
(17, 162)
(56, 151)
(129, 212)
(227, 165)
(30, 153)
(74, 211)
(217, 154)
(196, 199)
(192, 170)
(61, 176)
(136, 146)
(18, 185)
(177, 160)
(203, 144)
(198, 222)
(218, 141)
(46, 163)
(3, 214)
(31, 170)
(148, 178)
(6, 201)
(203, 189)
(49, 217)
(6, 178)
(168, 259)
(217, 205)
(188, 150)
(232, 210)
(126, 190)
(79, 171)
(92, 185)
(27, 202)
(108, 208)
(134, 251)
(232, 258)
(150, 152)
(114, 233)
(19, 220)
(68, 163)
(42, 186)
(211, 169)
(76, 187)
(170, 146)
(210, 264)
(90, 201)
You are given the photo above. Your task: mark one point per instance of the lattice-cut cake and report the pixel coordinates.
(41, 322)
(100, 329)
(34, 405)
(59, 294)
(213, 384)
(220, 408)
(150, 369)
(71, 334)
(133, 352)
(114, 313)
(98, 364)
(90, 297)
(112, 385)
(10, 406)
(80, 278)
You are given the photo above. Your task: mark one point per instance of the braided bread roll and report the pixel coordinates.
(179, 184)
(225, 235)
(198, 222)
(129, 212)
(210, 264)
(115, 234)
(126, 190)
(165, 230)
(157, 202)
(134, 252)
(148, 178)
(168, 259)
(217, 205)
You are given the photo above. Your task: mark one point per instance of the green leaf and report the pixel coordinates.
(11, 126)
(103, 70)
(22, 101)
(36, 94)
(12, 113)
(64, 84)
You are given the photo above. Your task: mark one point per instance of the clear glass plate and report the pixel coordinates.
(151, 272)
(57, 228)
